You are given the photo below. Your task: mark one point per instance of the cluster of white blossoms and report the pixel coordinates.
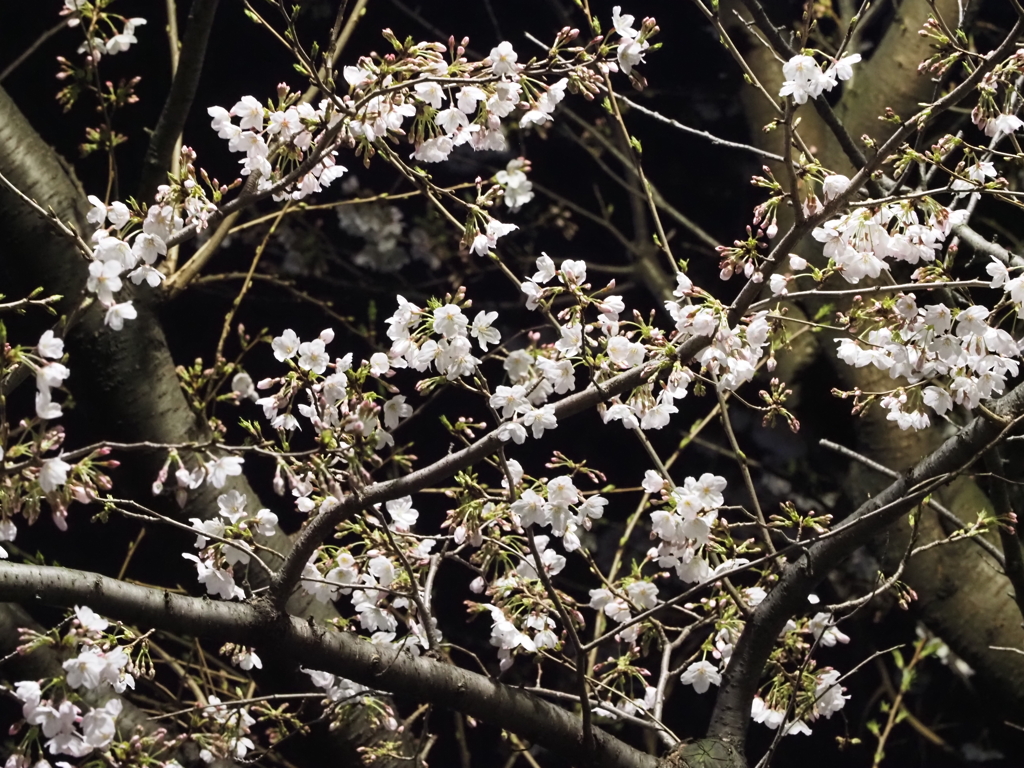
(618, 605)
(517, 188)
(216, 559)
(967, 358)
(329, 402)
(558, 505)
(684, 523)
(370, 579)
(828, 698)
(860, 243)
(804, 77)
(213, 470)
(507, 637)
(100, 664)
(66, 730)
(338, 690)
(732, 354)
(946, 355)
(112, 256)
(822, 697)
(448, 104)
(263, 133)
(227, 732)
(105, 41)
(50, 374)
(412, 331)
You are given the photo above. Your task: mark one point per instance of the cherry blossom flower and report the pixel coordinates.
(220, 469)
(50, 346)
(483, 331)
(266, 522)
(657, 416)
(653, 482)
(216, 580)
(232, 505)
(630, 53)
(643, 593)
(449, 321)
(503, 59)
(540, 419)
(534, 293)
(99, 724)
(247, 659)
(118, 313)
(431, 93)
(823, 628)
(1003, 123)
(403, 515)
(249, 109)
(701, 675)
(98, 212)
(395, 410)
(90, 621)
(313, 356)
(104, 279)
(804, 79)
(623, 23)
(831, 187)
(285, 346)
(843, 68)
(53, 474)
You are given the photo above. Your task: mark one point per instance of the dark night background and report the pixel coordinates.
(692, 80)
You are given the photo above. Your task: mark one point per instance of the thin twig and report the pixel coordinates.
(574, 641)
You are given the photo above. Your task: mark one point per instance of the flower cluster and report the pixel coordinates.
(100, 664)
(804, 77)
(684, 523)
(66, 730)
(335, 401)
(411, 330)
(226, 733)
(826, 696)
(962, 352)
(860, 243)
(517, 188)
(733, 353)
(232, 543)
(286, 133)
(342, 692)
(376, 583)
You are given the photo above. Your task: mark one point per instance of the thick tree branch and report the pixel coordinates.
(179, 101)
(732, 709)
(341, 653)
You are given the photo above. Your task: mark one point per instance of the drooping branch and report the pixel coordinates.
(179, 100)
(317, 648)
(732, 709)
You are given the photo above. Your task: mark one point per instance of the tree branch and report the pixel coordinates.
(341, 653)
(179, 100)
(732, 709)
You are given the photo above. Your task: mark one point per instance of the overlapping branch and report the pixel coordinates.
(732, 709)
(340, 653)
